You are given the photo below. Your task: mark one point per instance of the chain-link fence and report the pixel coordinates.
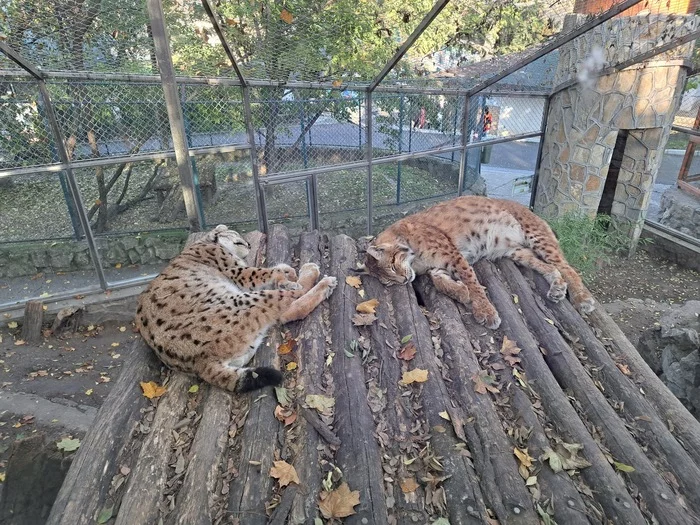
(341, 115)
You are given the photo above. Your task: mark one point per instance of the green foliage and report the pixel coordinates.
(588, 243)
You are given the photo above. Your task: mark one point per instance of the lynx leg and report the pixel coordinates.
(444, 283)
(580, 296)
(484, 312)
(557, 286)
(309, 301)
(308, 274)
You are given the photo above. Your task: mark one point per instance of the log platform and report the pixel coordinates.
(412, 414)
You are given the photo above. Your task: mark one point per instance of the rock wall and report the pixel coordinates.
(681, 212)
(674, 348)
(29, 258)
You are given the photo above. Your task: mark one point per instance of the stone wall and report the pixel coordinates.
(584, 118)
(30, 258)
(681, 212)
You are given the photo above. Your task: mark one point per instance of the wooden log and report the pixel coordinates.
(571, 374)
(144, 490)
(669, 407)
(465, 499)
(32, 322)
(610, 491)
(311, 359)
(193, 506)
(400, 417)
(253, 486)
(358, 456)
(88, 480)
(492, 450)
(650, 430)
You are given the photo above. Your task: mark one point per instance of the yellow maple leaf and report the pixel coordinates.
(291, 366)
(339, 503)
(354, 281)
(417, 375)
(152, 389)
(368, 307)
(287, 346)
(523, 456)
(285, 473)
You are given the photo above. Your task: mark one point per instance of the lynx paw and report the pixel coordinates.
(312, 269)
(584, 304)
(288, 273)
(487, 315)
(557, 291)
(289, 285)
(329, 283)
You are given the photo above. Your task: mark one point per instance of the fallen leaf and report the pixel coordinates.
(549, 320)
(515, 298)
(12, 324)
(409, 485)
(339, 503)
(105, 514)
(444, 415)
(532, 480)
(20, 342)
(523, 456)
(68, 445)
(367, 307)
(114, 345)
(406, 338)
(624, 369)
(363, 319)
(361, 293)
(417, 375)
(337, 84)
(353, 281)
(193, 389)
(282, 396)
(125, 470)
(285, 473)
(118, 266)
(291, 366)
(483, 383)
(88, 392)
(408, 352)
(286, 16)
(320, 403)
(2, 477)
(122, 328)
(509, 350)
(45, 294)
(151, 389)
(287, 346)
(564, 456)
(623, 467)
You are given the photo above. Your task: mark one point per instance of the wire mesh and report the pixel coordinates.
(411, 123)
(500, 116)
(689, 108)
(102, 119)
(278, 198)
(25, 138)
(80, 35)
(214, 115)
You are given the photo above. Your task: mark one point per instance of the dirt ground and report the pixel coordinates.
(79, 369)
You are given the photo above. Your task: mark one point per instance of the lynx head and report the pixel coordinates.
(231, 240)
(390, 263)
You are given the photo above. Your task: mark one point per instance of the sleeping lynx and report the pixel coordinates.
(445, 239)
(207, 312)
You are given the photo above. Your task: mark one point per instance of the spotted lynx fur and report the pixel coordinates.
(444, 240)
(207, 312)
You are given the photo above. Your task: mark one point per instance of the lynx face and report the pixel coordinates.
(390, 263)
(231, 240)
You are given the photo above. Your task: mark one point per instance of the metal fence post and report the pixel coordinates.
(172, 103)
(536, 175)
(195, 171)
(368, 119)
(72, 184)
(398, 167)
(465, 141)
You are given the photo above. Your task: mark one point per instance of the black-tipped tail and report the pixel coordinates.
(255, 378)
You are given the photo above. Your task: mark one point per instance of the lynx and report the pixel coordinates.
(444, 240)
(207, 312)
